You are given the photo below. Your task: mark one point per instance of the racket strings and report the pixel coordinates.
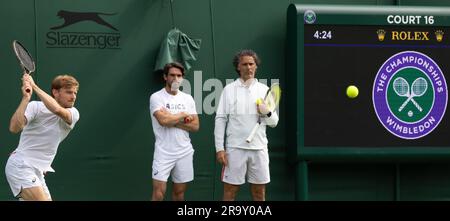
(273, 98)
(270, 101)
(24, 58)
(401, 86)
(419, 87)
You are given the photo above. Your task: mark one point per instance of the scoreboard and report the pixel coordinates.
(398, 57)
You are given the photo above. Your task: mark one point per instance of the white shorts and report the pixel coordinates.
(20, 176)
(181, 169)
(250, 164)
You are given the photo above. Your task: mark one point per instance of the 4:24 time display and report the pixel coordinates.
(323, 34)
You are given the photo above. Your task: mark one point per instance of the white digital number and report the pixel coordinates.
(429, 20)
(316, 35)
(322, 35)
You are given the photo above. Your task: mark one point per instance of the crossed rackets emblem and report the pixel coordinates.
(418, 89)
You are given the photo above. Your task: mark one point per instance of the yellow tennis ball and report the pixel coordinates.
(352, 91)
(259, 101)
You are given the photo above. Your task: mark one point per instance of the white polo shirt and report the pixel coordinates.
(42, 134)
(237, 113)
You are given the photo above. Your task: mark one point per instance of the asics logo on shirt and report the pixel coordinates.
(175, 106)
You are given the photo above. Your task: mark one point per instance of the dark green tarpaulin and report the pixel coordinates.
(179, 47)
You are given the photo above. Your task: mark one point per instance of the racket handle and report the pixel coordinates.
(186, 120)
(252, 134)
(404, 104)
(25, 71)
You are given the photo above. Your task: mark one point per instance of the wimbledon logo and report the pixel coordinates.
(410, 95)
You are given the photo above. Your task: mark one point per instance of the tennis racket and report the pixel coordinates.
(418, 89)
(272, 99)
(24, 57)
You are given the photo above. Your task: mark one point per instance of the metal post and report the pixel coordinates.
(301, 191)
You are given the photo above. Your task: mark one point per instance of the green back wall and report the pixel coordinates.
(108, 155)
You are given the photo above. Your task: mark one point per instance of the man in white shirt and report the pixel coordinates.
(44, 124)
(238, 113)
(173, 116)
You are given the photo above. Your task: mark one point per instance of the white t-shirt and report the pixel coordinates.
(171, 142)
(238, 114)
(42, 134)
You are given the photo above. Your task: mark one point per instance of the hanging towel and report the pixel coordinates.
(178, 47)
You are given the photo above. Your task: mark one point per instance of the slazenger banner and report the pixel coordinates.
(410, 95)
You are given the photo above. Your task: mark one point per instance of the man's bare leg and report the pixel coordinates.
(34, 194)
(229, 191)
